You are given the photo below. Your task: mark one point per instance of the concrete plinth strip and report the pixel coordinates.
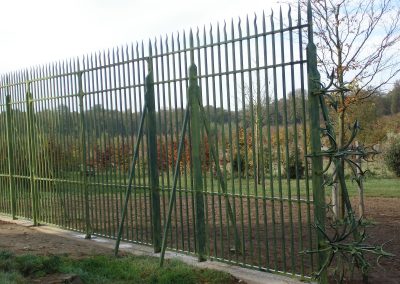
(247, 275)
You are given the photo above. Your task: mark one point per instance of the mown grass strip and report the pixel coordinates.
(105, 269)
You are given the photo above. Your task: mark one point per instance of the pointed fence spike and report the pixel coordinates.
(310, 22)
(184, 38)
(225, 33)
(137, 50)
(272, 19)
(298, 13)
(211, 34)
(150, 50)
(247, 25)
(127, 51)
(191, 45)
(240, 27)
(131, 51)
(255, 23)
(77, 63)
(309, 13)
(117, 53)
(218, 32)
(114, 51)
(290, 15)
(47, 70)
(166, 44)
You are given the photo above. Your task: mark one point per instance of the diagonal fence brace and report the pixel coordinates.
(175, 183)
(132, 174)
(221, 178)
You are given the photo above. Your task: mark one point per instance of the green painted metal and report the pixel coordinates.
(31, 153)
(172, 198)
(9, 156)
(153, 164)
(221, 179)
(130, 182)
(314, 87)
(222, 111)
(193, 97)
(84, 173)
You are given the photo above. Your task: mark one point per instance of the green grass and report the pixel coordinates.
(105, 269)
(374, 187)
(387, 187)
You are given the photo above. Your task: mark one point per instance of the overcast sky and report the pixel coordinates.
(43, 31)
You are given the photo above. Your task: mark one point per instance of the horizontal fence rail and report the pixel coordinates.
(69, 130)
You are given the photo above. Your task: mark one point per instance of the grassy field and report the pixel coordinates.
(377, 187)
(28, 268)
(100, 184)
(373, 187)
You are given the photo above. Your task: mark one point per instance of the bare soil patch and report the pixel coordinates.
(24, 239)
(383, 212)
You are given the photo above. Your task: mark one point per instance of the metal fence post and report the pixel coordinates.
(314, 89)
(153, 164)
(360, 184)
(195, 126)
(10, 152)
(31, 149)
(81, 95)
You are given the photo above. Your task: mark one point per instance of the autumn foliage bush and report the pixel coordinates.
(392, 153)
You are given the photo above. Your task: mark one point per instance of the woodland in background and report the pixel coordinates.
(111, 136)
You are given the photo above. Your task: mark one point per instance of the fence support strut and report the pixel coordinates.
(32, 152)
(130, 181)
(197, 120)
(314, 88)
(194, 95)
(149, 108)
(174, 185)
(81, 95)
(153, 164)
(10, 152)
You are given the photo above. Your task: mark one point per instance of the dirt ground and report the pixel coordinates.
(383, 212)
(22, 239)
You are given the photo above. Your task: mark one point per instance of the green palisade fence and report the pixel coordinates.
(243, 194)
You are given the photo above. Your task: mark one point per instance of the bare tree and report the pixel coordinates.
(358, 42)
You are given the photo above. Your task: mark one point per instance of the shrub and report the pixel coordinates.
(295, 163)
(392, 153)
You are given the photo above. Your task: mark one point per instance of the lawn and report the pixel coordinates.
(373, 187)
(28, 268)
